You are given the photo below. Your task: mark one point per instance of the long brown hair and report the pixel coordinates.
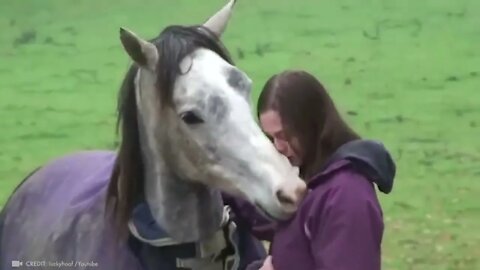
(307, 113)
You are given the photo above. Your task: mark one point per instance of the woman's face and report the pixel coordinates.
(271, 124)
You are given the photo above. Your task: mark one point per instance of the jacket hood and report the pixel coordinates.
(372, 159)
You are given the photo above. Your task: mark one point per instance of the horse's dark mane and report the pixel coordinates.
(126, 186)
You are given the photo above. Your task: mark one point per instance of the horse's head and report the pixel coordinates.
(194, 107)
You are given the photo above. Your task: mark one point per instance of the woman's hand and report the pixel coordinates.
(267, 264)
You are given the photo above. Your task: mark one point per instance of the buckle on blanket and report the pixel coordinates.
(212, 253)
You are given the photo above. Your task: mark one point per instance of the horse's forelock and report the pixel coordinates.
(174, 44)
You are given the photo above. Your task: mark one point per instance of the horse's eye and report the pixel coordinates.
(191, 118)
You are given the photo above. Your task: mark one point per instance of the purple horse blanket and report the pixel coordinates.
(56, 219)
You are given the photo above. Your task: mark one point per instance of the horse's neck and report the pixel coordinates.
(187, 211)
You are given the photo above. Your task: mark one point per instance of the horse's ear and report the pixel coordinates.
(218, 22)
(144, 53)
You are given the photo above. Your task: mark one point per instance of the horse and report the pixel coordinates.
(189, 142)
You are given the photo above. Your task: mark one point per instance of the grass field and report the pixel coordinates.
(403, 71)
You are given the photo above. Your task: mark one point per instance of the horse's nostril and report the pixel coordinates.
(285, 198)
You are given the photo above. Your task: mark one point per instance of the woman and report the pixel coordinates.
(340, 223)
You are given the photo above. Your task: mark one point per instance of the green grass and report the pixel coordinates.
(406, 72)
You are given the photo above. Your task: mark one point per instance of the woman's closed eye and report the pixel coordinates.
(281, 136)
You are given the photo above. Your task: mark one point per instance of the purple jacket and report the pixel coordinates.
(339, 225)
